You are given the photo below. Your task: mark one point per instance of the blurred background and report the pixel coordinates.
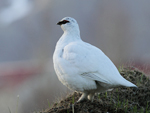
(28, 34)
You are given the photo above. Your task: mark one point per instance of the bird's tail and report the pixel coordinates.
(126, 83)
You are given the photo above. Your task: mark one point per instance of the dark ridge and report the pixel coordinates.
(119, 100)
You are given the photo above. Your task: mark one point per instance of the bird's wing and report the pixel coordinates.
(89, 62)
(95, 76)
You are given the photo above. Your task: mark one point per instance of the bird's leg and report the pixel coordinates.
(91, 97)
(83, 97)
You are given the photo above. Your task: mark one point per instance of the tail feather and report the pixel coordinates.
(126, 83)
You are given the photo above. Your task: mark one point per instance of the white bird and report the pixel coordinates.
(83, 67)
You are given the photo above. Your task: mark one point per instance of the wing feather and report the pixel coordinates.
(90, 62)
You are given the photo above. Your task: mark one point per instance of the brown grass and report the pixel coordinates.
(120, 100)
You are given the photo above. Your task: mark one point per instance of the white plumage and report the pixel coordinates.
(83, 67)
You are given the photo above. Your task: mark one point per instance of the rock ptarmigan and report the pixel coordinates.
(83, 67)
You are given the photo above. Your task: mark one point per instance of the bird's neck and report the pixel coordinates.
(72, 34)
(69, 37)
(72, 31)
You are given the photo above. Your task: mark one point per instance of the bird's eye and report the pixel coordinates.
(65, 21)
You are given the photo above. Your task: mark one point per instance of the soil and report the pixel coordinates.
(119, 100)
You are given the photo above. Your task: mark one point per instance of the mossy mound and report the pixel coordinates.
(119, 100)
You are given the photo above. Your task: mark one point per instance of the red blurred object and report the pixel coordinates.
(143, 67)
(12, 74)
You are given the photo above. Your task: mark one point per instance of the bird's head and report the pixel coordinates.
(69, 24)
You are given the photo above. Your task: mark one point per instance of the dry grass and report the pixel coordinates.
(120, 100)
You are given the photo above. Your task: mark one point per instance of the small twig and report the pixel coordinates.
(72, 108)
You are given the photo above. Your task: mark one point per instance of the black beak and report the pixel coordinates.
(59, 23)
(62, 22)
